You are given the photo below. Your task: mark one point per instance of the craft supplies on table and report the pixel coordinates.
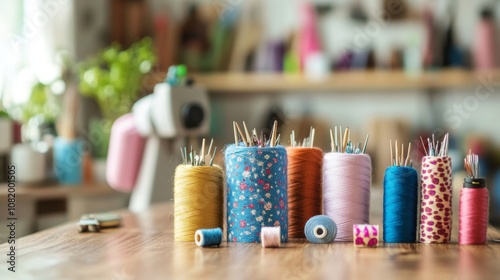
(436, 205)
(320, 229)
(270, 237)
(346, 184)
(198, 194)
(304, 184)
(400, 198)
(256, 177)
(208, 237)
(365, 235)
(473, 205)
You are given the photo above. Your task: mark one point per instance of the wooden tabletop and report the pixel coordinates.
(143, 248)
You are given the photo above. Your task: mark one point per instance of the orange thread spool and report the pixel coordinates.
(304, 187)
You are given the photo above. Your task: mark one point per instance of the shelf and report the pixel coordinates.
(57, 191)
(243, 83)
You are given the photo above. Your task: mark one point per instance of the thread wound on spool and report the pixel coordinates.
(304, 187)
(198, 200)
(365, 235)
(208, 237)
(435, 210)
(270, 237)
(346, 191)
(400, 204)
(320, 229)
(473, 214)
(257, 191)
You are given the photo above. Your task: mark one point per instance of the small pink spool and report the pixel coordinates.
(270, 237)
(365, 235)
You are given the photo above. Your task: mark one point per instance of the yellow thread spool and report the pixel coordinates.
(198, 200)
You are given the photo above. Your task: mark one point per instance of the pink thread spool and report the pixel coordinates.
(435, 210)
(270, 237)
(126, 147)
(346, 191)
(473, 212)
(365, 235)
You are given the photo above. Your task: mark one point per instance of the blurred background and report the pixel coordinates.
(396, 69)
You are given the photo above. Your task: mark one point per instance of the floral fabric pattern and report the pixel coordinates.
(256, 192)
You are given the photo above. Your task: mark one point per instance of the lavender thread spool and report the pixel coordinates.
(346, 191)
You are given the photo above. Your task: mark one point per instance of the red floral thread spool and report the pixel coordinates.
(435, 210)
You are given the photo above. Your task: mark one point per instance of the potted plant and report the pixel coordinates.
(113, 78)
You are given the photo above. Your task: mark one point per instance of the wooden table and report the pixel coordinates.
(143, 248)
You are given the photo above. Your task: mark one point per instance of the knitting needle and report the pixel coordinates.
(433, 145)
(191, 155)
(408, 155)
(390, 145)
(202, 152)
(397, 153)
(277, 140)
(182, 154)
(293, 138)
(255, 138)
(422, 140)
(331, 139)
(185, 155)
(344, 141)
(213, 156)
(336, 141)
(235, 134)
(366, 142)
(312, 138)
(249, 140)
(402, 154)
(241, 135)
(273, 134)
(207, 156)
(340, 139)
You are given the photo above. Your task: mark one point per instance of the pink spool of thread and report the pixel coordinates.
(484, 43)
(346, 191)
(473, 205)
(126, 148)
(270, 237)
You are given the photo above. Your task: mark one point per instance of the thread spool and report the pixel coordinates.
(365, 235)
(208, 237)
(198, 200)
(304, 187)
(257, 195)
(320, 229)
(346, 191)
(400, 204)
(270, 237)
(435, 210)
(473, 212)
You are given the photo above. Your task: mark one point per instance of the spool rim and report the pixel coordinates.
(322, 228)
(199, 238)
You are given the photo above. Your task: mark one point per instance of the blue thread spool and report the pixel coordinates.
(400, 204)
(68, 160)
(208, 237)
(320, 229)
(257, 191)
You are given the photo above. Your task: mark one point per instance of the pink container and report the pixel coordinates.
(126, 147)
(484, 44)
